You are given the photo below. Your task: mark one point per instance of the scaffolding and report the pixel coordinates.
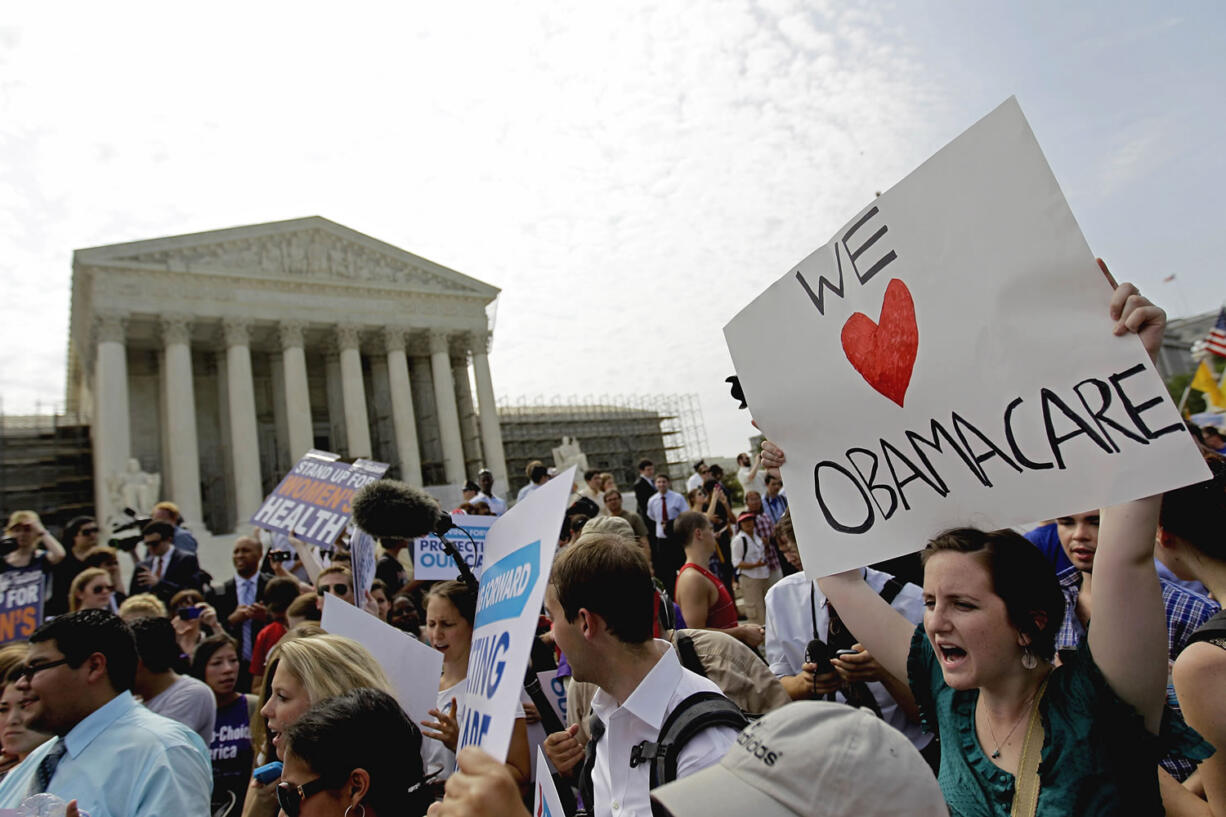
(46, 465)
(613, 431)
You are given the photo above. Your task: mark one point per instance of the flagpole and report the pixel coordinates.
(1183, 400)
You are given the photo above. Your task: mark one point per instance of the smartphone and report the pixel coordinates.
(268, 772)
(189, 613)
(841, 653)
(280, 556)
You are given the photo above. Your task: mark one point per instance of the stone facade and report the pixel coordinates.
(217, 359)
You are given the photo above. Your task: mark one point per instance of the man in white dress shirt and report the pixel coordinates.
(600, 600)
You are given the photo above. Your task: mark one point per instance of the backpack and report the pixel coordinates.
(1214, 627)
(698, 712)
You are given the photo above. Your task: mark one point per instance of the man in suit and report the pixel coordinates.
(238, 602)
(165, 570)
(644, 487)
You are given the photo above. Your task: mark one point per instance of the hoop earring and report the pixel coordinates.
(1028, 659)
(359, 805)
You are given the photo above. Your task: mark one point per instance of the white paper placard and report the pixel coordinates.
(547, 804)
(947, 359)
(413, 667)
(519, 551)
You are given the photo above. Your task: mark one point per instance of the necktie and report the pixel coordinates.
(663, 509)
(157, 567)
(46, 767)
(245, 593)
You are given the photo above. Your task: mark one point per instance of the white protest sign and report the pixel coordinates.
(362, 560)
(431, 562)
(413, 667)
(519, 552)
(950, 361)
(547, 804)
(313, 501)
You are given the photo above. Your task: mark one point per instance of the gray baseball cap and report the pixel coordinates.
(811, 759)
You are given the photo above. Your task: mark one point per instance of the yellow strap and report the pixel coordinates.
(1026, 788)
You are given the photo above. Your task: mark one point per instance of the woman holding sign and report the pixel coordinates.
(981, 666)
(450, 611)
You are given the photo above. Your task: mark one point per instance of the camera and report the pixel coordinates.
(130, 541)
(818, 653)
(279, 556)
(189, 613)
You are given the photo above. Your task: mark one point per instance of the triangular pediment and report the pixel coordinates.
(313, 247)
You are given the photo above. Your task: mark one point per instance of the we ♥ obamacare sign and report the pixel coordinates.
(949, 361)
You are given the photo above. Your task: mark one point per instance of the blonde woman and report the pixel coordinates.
(304, 671)
(90, 590)
(37, 550)
(141, 605)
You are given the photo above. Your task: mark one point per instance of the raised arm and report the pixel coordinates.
(1127, 633)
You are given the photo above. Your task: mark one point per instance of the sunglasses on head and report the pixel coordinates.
(290, 797)
(336, 589)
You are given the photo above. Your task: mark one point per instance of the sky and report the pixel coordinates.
(630, 174)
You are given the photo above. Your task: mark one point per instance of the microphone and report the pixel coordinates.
(392, 509)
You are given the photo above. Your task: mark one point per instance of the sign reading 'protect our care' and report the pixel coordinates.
(519, 550)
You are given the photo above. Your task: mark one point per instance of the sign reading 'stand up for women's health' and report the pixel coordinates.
(313, 502)
(950, 361)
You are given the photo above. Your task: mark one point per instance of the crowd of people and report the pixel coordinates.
(706, 672)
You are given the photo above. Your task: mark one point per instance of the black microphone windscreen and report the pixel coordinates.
(387, 508)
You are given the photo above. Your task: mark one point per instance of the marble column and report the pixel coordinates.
(487, 412)
(111, 430)
(244, 439)
(448, 414)
(297, 394)
(357, 423)
(403, 420)
(470, 437)
(183, 448)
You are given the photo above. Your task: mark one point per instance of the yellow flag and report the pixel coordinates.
(1204, 382)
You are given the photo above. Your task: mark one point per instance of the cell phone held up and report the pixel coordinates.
(280, 556)
(189, 613)
(268, 773)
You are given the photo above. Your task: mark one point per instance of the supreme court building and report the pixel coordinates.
(215, 360)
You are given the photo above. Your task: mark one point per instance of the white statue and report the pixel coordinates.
(132, 488)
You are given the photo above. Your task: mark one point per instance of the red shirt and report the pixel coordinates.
(722, 616)
(264, 642)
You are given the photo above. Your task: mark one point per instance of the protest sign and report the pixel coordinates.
(519, 550)
(548, 804)
(21, 603)
(313, 501)
(362, 560)
(950, 361)
(413, 667)
(431, 562)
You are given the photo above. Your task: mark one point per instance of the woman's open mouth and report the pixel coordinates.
(951, 654)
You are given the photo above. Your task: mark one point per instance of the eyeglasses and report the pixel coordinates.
(30, 670)
(88, 531)
(290, 797)
(106, 588)
(335, 589)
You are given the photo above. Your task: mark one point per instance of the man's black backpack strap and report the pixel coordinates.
(689, 655)
(890, 590)
(697, 713)
(700, 711)
(595, 728)
(1215, 627)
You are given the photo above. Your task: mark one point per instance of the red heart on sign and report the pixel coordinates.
(884, 353)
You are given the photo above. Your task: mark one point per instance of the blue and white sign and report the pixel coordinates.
(431, 562)
(519, 550)
(548, 804)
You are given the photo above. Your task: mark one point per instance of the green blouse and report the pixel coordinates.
(1098, 758)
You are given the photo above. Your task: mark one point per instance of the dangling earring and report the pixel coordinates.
(1028, 659)
(362, 806)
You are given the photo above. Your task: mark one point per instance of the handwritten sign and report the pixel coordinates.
(21, 603)
(519, 552)
(951, 362)
(313, 501)
(362, 560)
(548, 804)
(431, 562)
(413, 667)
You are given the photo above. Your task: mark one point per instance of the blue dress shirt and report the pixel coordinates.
(123, 761)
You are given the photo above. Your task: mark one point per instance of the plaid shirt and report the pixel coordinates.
(1185, 611)
(765, 528)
